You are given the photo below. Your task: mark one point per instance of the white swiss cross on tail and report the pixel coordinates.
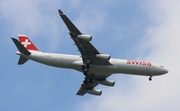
(26, 42)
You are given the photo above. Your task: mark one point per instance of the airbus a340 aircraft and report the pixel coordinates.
(95, 66)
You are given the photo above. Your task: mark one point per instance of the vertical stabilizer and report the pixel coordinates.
(26, 42)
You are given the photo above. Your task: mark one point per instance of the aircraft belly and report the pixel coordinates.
(96, 69)
(136, 70)
(53, 60)
(104, 69)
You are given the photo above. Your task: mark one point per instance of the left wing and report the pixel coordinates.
(89, 88)
(89, 83)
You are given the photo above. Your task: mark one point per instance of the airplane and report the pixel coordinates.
(95, 66)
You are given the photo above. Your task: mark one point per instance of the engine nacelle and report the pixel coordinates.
(85, 37)
(103, 56)
(107, 82)
(95, 92)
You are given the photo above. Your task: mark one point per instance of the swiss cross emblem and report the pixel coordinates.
(26, 43)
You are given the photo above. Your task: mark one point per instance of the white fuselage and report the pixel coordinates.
(118, 65)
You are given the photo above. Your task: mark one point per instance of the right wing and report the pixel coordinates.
(87, 50)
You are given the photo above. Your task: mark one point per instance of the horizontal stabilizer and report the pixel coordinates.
(20, 47)
(22, 60)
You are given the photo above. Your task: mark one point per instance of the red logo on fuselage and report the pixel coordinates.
(139, 63)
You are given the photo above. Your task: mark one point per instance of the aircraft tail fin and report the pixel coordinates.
(26, 42)
(22, 60)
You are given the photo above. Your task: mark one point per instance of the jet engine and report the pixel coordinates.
(95, 92)
(103, 56)
(84, 37)
(107, 82)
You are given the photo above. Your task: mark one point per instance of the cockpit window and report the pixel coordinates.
(162, 66)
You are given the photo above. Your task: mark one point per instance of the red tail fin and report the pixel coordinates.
(25, 41)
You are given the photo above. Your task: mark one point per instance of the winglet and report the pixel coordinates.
(60, 12)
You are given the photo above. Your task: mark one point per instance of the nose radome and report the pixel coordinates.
(166, 71)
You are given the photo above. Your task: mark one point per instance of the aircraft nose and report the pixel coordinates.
(165, 71)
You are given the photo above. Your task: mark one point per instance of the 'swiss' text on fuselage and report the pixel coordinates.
(135, 62)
